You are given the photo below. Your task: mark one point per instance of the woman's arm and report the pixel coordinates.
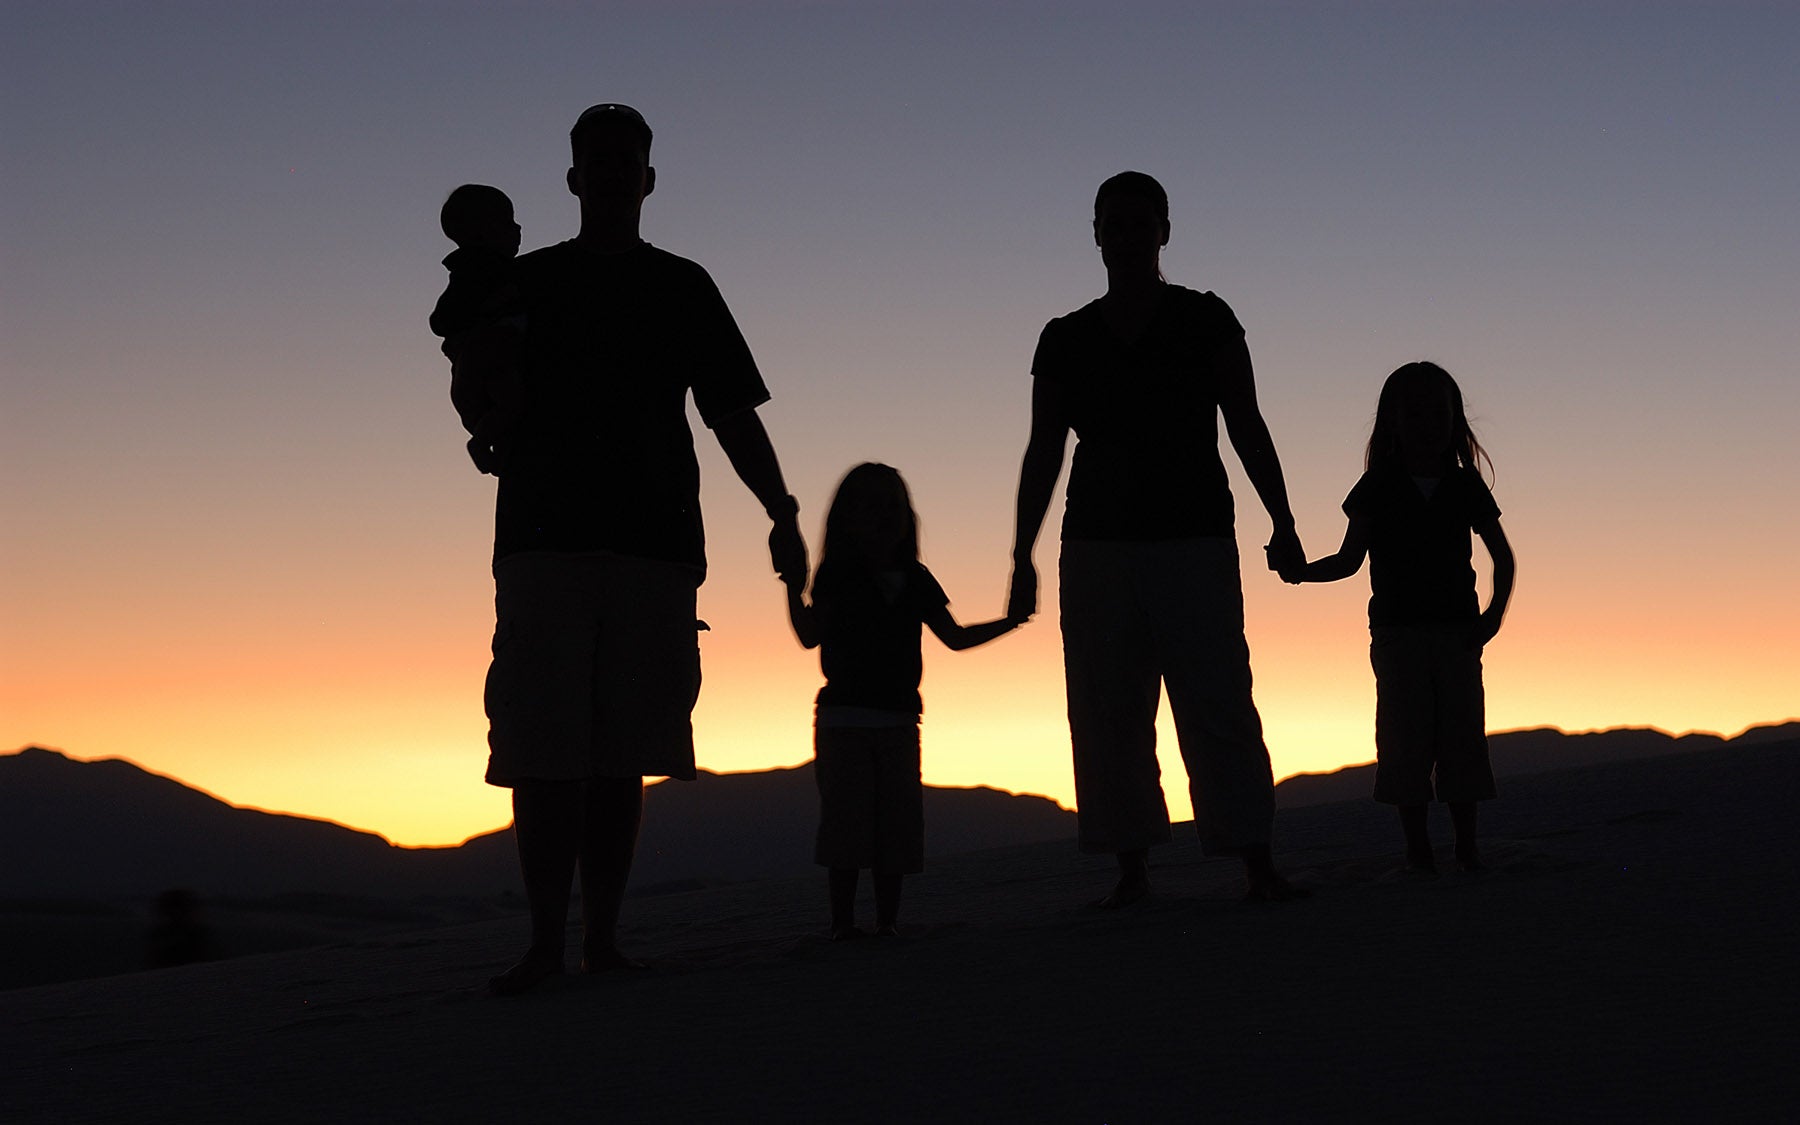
(1494, 539)
(1043, 463)
(958, 637)
(802, 617)
(1347, 561)
(1255, 448)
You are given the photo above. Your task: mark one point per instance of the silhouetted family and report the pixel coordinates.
(571, 370)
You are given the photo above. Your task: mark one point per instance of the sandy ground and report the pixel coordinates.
(1631, 956)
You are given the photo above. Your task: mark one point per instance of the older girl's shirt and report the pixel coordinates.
(1420, 548)
(1145, 416)
(869, 626)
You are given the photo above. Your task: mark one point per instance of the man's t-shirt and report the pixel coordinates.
(869, 635)
(1419, 547)
(1146, 418)
(604, 458)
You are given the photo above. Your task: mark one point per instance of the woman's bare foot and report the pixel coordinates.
(847, 933)
(532, 970)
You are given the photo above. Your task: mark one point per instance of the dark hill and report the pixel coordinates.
(74, 830)
(1537, 750)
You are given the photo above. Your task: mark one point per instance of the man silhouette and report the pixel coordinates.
(598, 542)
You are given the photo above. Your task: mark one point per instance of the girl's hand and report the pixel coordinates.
(1486, 627)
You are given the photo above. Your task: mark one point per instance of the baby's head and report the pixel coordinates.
(480, 217)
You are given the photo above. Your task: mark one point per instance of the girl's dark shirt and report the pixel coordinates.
(1145, 416)
(1419, 548)
(604, 458)
(869, 638)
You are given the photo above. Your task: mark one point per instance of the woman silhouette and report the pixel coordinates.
(1151, 594)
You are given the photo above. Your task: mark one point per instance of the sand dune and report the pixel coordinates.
(1630, 957)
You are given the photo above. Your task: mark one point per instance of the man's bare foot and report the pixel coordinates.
(606, 960)
(1269, 886)
(532, 970)
(887, 929)
(846, 933)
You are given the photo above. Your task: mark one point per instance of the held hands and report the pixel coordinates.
(1021, 599)
(787, 549)
(1286, 556)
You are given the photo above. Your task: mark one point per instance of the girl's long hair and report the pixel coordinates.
(861, 486)
(1384, 438)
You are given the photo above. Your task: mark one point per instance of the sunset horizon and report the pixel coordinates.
(245, 547)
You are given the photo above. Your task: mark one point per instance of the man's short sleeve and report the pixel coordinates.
(724, 375)
(1052, 356)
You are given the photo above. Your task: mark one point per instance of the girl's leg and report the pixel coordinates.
(887, 903)
(842, 881)
(1418, 838)
(1462, 817)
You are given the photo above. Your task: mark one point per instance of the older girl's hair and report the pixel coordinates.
(1384, 438)
(858, 487)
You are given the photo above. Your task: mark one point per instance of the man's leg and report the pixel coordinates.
(547, 822)
(613, 809)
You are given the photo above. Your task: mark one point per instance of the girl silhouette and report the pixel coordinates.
(869, 597)
(1411, 513)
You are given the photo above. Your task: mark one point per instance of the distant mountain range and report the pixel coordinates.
(74, 830)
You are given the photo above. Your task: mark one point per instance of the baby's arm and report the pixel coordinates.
(958, 637)
(1501, 552)
(1347, 561)
(801, 616)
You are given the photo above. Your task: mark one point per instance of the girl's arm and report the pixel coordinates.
(802, 617)
(958, 637)
(1501, 552)
(1347, 561)
(1043, 463)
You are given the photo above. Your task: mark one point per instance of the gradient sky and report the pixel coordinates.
(242, 544)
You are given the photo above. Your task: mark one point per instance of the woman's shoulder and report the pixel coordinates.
(1204, 309)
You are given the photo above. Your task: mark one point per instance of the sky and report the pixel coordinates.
(241, 544)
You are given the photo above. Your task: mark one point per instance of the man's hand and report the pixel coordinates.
(787, 550)
(1021, 600)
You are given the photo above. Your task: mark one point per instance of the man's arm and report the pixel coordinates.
(1256, 450)
(747, 447)
(1044, 453)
